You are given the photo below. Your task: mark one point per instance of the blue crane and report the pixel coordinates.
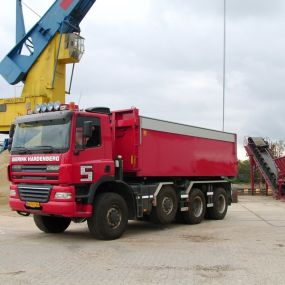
(64, 16)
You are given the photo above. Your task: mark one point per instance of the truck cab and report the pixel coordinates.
(55, 157)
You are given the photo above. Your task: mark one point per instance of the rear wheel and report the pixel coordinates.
(166, 206)
(220, 207)
(110, 216)
(197, 207)
(49, 224)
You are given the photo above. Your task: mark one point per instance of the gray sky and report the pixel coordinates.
(165, 57)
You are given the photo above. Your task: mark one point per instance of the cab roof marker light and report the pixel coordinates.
(56, 106)
(43, 107)
(50, 106)
(38, 109)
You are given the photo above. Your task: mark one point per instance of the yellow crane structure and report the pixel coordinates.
(52, 43)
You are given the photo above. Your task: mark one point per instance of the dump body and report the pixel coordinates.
(156, 148)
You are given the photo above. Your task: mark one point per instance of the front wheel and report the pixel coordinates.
(110, 217)
(220, 207)
(50, 224)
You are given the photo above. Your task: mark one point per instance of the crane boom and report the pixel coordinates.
(63, 16)
(20, 24)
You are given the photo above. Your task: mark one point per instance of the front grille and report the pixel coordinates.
(37, 177)
(34, 168)
(35, 193)
(34, 172)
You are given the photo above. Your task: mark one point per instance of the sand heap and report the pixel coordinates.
(4, 183)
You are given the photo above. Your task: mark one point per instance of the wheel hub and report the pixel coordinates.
(167, 205)
(114, 217)
(197, 206)
(221, 204)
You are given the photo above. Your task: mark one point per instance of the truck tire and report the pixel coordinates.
(110, 216)
(166, 206)
(197, 207)
(53, 225)
(179, 219)
(220, 201)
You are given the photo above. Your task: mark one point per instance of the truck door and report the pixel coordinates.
(89, 159)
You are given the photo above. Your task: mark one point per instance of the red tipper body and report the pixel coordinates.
(152, 147)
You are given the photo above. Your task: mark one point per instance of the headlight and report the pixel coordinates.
(43, 107)
(38, 108)
(53, 167)
(50, 106)
(63, 195)
(56, 106)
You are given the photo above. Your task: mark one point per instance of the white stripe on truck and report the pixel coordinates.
(174, 128)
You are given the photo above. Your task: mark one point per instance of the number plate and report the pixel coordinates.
(35, 205)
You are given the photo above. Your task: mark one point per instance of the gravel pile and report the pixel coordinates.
(4, 183)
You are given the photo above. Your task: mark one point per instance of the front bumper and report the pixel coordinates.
(57, 207)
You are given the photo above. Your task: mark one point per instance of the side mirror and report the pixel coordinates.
(8, 144)
(9, 141)
(12, 131)
(87, 129)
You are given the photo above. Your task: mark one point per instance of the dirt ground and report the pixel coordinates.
(247, 247)
(4, 183)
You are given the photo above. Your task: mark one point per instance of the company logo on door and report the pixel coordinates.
(48, 158)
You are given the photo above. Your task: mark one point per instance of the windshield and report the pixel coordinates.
(42, 136)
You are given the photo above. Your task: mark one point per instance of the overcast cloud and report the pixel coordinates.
(165, 57)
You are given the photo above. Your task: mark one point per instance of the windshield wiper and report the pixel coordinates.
(44, 148)
(20, 149)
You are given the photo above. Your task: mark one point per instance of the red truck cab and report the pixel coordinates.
(52, 161)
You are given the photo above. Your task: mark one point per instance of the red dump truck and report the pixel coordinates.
(110, 167)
